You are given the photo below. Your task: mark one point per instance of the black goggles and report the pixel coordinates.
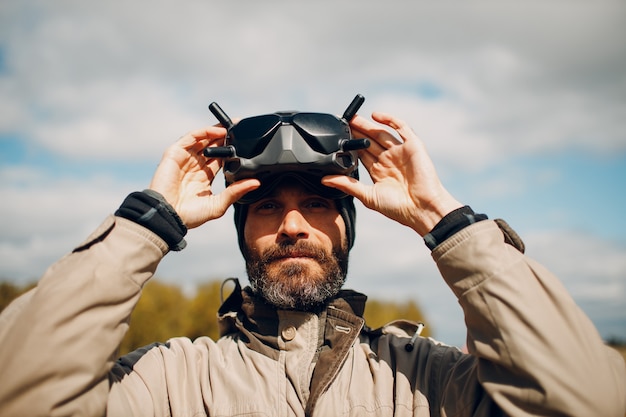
(324, 133)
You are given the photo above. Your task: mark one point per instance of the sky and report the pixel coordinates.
(522, 106)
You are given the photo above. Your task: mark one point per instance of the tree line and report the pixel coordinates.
(165, 311)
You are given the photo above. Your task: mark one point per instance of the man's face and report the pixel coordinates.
(296, 250)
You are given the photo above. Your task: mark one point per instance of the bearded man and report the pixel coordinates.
(294, 343)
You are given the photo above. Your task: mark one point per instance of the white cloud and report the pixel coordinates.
(590, 267)
(42, 218)
(133, 119)
(509, 89)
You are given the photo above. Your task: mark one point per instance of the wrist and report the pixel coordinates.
(433, 215)
(450, 224)
(150, 209)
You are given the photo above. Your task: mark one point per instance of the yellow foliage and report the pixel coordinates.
(379, 313)
(160, 314)
(164, 311)
(202, 312)
(9, 292)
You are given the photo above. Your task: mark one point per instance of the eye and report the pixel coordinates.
(317, 204)
(266, 206)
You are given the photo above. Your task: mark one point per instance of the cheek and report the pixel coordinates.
(334, 231)
(256, 232)
(342, 239)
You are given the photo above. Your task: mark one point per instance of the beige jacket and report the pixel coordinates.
(533, 352)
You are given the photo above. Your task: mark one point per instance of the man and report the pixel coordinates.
(295, 344)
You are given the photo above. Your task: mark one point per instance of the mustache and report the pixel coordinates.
(292, 250)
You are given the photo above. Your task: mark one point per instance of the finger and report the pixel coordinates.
(211, 135)
(399, 125)
(376, 132)
(368, 159)
(210, 166)
(238, 189)
(375, 149)
(348, 185)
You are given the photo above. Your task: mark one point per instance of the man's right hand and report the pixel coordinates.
(406, 186)
(184, 177)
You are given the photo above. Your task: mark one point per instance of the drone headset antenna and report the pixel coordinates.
(220, 151)
(220, 115)
(354, 144)
(354, 107)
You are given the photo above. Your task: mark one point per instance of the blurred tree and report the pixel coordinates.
(163, 311)
(10, 291)
(379, 313)
(202, 312)
(159, 315)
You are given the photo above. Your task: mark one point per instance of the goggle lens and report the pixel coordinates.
(322, 132)
(250, 136)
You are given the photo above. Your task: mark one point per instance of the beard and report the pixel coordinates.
(296, 284)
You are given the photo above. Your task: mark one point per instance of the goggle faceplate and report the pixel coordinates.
(310, 145)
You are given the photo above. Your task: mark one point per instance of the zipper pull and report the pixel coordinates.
(409, 346)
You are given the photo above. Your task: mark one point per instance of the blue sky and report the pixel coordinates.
(520, 105)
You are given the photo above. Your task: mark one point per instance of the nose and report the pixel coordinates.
(294, 226)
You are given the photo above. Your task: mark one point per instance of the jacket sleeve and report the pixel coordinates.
(536, 352)
(59, 341)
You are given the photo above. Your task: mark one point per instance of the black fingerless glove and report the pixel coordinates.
(150, 209)
(453, 222)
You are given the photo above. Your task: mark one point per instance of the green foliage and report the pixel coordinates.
(164, 311)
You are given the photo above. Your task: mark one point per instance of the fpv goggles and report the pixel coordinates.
(304, 145)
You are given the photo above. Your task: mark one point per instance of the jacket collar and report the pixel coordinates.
(244, 304)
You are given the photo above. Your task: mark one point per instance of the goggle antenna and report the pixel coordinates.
(220, 115)
(354, 107)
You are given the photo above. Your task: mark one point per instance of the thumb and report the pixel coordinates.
(348, 185)
(238, 189)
